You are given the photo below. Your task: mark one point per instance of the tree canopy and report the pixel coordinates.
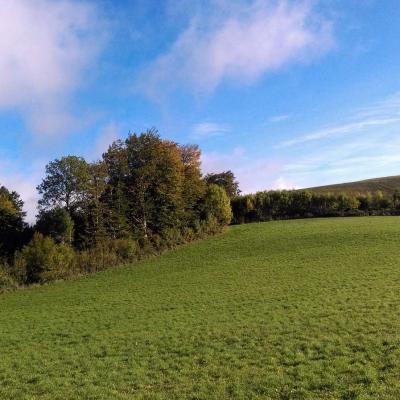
(226, 180)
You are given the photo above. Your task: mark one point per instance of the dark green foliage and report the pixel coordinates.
(56, 223)
(270, 205)
(396, 198)
(301, 309)
(13, 230)
(114, 196)
(226, 180)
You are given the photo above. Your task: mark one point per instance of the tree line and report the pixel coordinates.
(288, 204)
(145, 195)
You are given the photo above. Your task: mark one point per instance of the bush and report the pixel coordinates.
(107, 254)
(217, 205)
(211, 226)
(172, 237)
(43, 260)
(7, 282)
(188, 234)
(126, 249)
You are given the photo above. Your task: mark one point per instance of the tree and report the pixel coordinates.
(396, 198)
(12, 225)
(193, 185)
(65, 184)
(94, 207)
(56, 223)
(226, 180)
(114, 196)
(217, 204)
(153, 183)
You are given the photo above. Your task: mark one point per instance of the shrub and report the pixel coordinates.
(210, 226)
(7, 282)
(217, 204)
(172, 237)
(43, 260)
(126, 249)
(188, 234)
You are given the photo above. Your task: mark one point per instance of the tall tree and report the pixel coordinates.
(114, 196)
(94, 206)
(226, 180)
(12, 226)
(65, 183)
(193, 185)
(154, 182)
(56, 223)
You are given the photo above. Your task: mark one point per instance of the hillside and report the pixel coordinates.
(387, 185)
(281, 310)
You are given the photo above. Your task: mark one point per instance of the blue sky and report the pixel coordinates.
(285, 93)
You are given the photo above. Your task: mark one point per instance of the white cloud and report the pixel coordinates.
(208, 129)
(45, 46)
(239, 43)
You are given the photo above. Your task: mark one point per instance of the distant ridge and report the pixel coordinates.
(386, 184)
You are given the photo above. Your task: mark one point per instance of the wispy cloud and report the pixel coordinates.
(359, 158)
(353, 127)
(368, 146)
(44, 48)
(383, 113)
(279, 118)
(209, 129)
(240, 44)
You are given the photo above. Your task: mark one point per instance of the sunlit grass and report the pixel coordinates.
(305, 309)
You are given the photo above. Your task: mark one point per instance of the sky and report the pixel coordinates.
(286, 94)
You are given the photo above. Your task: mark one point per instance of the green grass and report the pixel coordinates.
(387, 185)
(302, 309)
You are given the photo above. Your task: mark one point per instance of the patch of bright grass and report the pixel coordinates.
(305, 309)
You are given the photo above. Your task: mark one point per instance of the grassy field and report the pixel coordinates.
(302, 309)
(387, 185)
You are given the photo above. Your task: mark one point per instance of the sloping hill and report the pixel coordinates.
(387, 185)
(302, 309)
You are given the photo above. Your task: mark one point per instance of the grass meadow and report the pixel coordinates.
(301, 309)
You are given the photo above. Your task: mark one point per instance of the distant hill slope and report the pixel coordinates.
(386, 184)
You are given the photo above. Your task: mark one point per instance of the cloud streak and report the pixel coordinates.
(239, 44)
(209, 129)
(353, 127)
